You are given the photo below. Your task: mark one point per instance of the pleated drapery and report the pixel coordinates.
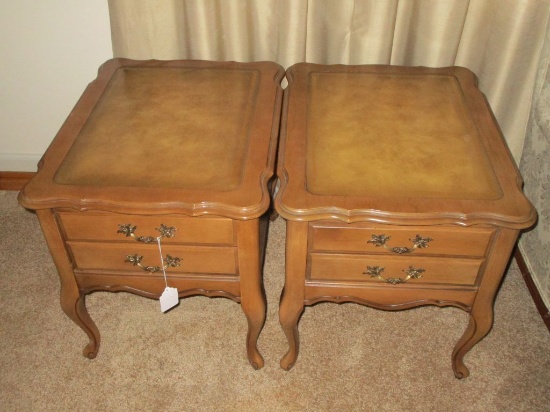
(499, 40)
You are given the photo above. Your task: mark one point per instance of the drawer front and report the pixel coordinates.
(113, 256)
(383, 239)
(384, 269)
(198, 230)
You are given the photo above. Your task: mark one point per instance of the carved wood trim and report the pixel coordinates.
(14, 180)
(528, 278)
(389, 307)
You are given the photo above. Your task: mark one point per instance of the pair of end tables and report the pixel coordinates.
(395, 182)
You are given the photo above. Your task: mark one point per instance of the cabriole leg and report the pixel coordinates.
(482, 312)
(76, 310)
(253, 300)
(292, 299)
(72, 301)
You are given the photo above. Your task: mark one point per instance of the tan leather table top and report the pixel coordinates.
(173, 127)
(393, 144)
(186, 137)
(394, 135)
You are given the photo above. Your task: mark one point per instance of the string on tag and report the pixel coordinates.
(162, 261)
(169, 297)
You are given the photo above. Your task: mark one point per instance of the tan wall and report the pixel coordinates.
(50, 51)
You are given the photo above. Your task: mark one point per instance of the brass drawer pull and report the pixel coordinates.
(412, 273)
(129, 229)
(169, 261)
(419, 242)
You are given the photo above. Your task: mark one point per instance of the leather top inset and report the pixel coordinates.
(184, 128)
(394, 135)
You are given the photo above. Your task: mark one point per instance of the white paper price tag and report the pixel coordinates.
(169, 299)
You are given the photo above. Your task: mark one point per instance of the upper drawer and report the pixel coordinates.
(450, 241)
(201, 230)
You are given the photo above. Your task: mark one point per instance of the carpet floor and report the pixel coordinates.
(352, 358)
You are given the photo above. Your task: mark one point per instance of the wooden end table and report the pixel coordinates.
(398, 190)
(183, 151)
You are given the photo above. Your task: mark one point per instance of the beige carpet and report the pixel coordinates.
(193, 358)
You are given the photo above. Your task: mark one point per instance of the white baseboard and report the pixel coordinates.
(17, 162)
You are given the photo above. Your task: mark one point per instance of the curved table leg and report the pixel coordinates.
(75, 308)
(256, 318)
(478, 327)
(482, 312)
(292, 298)
(72, 301)
(253, 300)
(289, 315)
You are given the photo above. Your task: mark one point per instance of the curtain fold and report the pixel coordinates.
(499, 40)
(428, 32)
(509, 35)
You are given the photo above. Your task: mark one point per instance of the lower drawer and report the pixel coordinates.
(382, 269)
(193, 259)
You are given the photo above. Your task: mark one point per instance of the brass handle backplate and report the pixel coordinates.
(419, 242)
(169, 261)
(376, 272)
(129, 229)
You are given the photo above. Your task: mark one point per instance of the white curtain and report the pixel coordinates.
(499, 40)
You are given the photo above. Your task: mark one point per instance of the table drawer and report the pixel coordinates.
(386, 269)
(113, 256)
(401, 240)
(201, 230)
